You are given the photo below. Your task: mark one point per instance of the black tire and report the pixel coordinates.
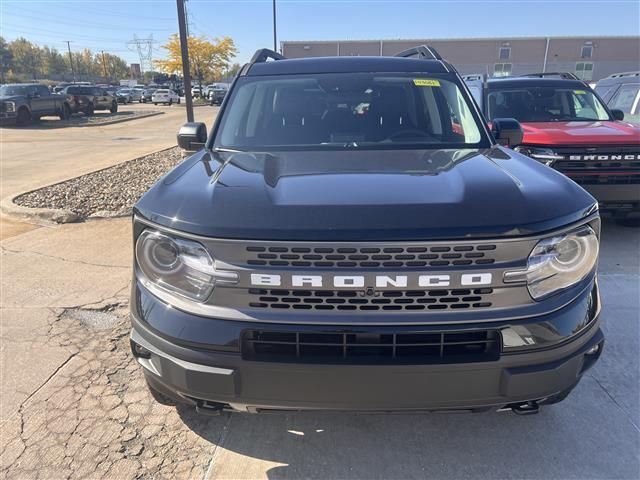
(155, 103)
(89, 109)
(170, 102)
(178, 100)
(114, 107)
(24, 116)
(65, 112)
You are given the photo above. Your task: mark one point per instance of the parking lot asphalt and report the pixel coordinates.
(74, 403)
(36, 156)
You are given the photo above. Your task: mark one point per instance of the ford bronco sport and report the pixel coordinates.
(568, 127)
(352, 237)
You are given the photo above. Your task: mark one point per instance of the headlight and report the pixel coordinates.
(543, 155)
(179, 266)
(558, 262)
(10, 106)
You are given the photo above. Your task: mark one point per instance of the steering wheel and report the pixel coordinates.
(414, 132)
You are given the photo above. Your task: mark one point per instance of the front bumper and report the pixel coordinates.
(556, 350)
(8, 118)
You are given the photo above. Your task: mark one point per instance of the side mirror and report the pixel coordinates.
(507, 131)
(192, 136)
(617, 114)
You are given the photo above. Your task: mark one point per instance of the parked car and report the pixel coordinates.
(21, 103)
(139, 89)
(567, 127)
(196, 91)
(621, 91)
(315, 254)
(87, 99)
(147, 94)
(124, 95)
(163, 95)
(217, 92)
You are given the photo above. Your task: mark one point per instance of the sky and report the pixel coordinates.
(109, 24)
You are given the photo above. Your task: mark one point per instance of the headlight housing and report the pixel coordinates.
(558, 262)
(541, 154)
(10, 107)
(179, 266)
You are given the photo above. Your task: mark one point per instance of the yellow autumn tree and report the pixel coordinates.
(208, 58)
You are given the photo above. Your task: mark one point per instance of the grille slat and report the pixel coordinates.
(356, 300)
(354, 348)
(368, 257)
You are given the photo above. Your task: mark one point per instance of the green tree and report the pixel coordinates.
(53, 62)
(6, 59)
(26, 57)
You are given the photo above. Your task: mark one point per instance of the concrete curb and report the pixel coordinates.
(112, 122)
(52, 216)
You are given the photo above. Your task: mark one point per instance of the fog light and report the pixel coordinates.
(139, 351)
(593, 350)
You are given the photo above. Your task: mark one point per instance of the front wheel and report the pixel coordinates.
(170, 102)
(114, 107)
(155, 103)
(178, 101)
(89, 110)
(65, 112)
(23, 117)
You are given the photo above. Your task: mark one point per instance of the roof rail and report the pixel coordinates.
(563, 75)
(421, 51)
(264, 54)
(624, 74)
(474, 76)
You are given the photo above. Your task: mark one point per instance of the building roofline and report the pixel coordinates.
(505, 39)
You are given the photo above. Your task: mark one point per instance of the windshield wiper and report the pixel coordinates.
(228, 150)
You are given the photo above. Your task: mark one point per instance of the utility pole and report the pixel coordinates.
(275, 36)
(184, 50)
(104, 66)
(73, 72)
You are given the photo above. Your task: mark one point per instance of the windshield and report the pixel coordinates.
(351, 110)
(546, 104)
(13, 90)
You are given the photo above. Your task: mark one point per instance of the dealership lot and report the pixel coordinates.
(74, 403)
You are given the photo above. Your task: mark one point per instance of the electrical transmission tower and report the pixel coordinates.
(144, 47)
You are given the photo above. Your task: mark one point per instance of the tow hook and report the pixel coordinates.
(526, 408)
(211, 409)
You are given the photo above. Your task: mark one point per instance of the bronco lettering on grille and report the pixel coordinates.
(631, 156)
(381, 281)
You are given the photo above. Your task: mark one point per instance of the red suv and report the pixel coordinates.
(569, 128)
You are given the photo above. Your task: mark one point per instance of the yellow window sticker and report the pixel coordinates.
(425, 82)
(580, 92)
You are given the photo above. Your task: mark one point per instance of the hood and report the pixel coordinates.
(580, 133)
(374, 195)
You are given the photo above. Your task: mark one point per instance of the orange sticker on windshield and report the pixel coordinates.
(425, 82)
(580, 92)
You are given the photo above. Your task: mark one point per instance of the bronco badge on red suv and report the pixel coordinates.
(568, 127)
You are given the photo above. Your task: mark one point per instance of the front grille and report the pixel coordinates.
(412, 300)
(608, 165)
(372, 257)
(354, 348)
(605, 179)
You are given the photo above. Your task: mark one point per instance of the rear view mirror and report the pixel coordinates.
(192, 136)
(617, 114)
(507, 131)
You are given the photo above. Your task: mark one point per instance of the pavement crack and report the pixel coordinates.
(216, 446)
(613, 399)
(62, 259)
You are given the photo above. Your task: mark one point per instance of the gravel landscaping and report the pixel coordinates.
(109, 192)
